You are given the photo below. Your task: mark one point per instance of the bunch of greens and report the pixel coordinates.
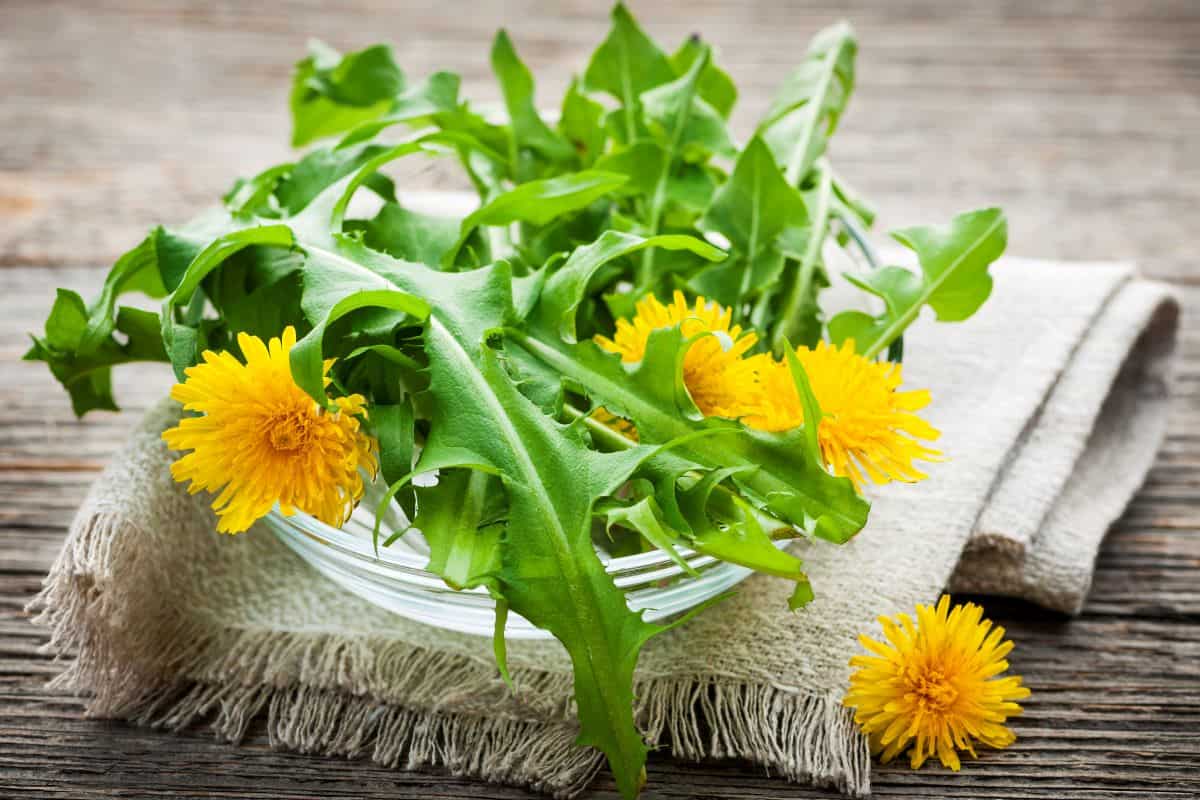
(471, 337)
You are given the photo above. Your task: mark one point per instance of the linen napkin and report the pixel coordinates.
(1051, 402)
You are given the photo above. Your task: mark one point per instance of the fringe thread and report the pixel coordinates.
(398, 705)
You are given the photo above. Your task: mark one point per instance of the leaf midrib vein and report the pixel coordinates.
(902, 321)
(533, 479)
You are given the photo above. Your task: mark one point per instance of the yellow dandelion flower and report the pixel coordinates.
(934, 685)
(261, 440)
(868, 428)
(714, 370)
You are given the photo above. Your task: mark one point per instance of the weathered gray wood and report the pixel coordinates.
(1081, 118)
(129, 114)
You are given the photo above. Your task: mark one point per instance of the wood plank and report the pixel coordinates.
(1068, 97)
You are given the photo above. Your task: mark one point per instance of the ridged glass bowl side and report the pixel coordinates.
(396, 578)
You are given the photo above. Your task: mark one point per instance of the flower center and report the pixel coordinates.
(290, 431)
(933, 691)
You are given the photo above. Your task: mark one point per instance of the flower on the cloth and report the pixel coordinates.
(261, 440)
(715, 372)
(934, 687)
(869, 429)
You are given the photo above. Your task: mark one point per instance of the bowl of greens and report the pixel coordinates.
(583, 405)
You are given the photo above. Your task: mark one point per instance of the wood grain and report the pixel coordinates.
(1079, 117)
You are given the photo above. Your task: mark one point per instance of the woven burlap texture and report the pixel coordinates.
(1051, 403)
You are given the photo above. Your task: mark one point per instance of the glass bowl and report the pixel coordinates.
(396, 578)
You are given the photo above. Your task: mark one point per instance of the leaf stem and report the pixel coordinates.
(900, 323)
(501, 241)
(894, 329)
(658, 199)
(796, 165)
(646, 271)
(753, 247)
(599, 430)
(846, 217)
(629, 98)
(801, 288)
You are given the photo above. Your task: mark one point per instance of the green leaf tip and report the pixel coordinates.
(953, 280)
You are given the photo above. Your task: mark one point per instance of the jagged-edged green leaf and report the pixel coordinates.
(331, 291)
(716, 87)
(752, 209)
(152, 268)
(566, 288)
(644, 516)
(627, 63)
(811, 101)
(411, 235)
(393, 424)
(255, 196)
(689, 187)
(419, 105)
(86, 372)
(681, 120)
(322, 168)
(137, 270)
(755, 205)
(462, 520)
(184, 340)
(529, 130)
(953, 280)
(677, 115)
(550, 573)
(581, 122)
(726, 528)
(332, 93)
(955, 258)
(538, 202)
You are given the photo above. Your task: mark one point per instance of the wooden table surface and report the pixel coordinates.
(1081, 118)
